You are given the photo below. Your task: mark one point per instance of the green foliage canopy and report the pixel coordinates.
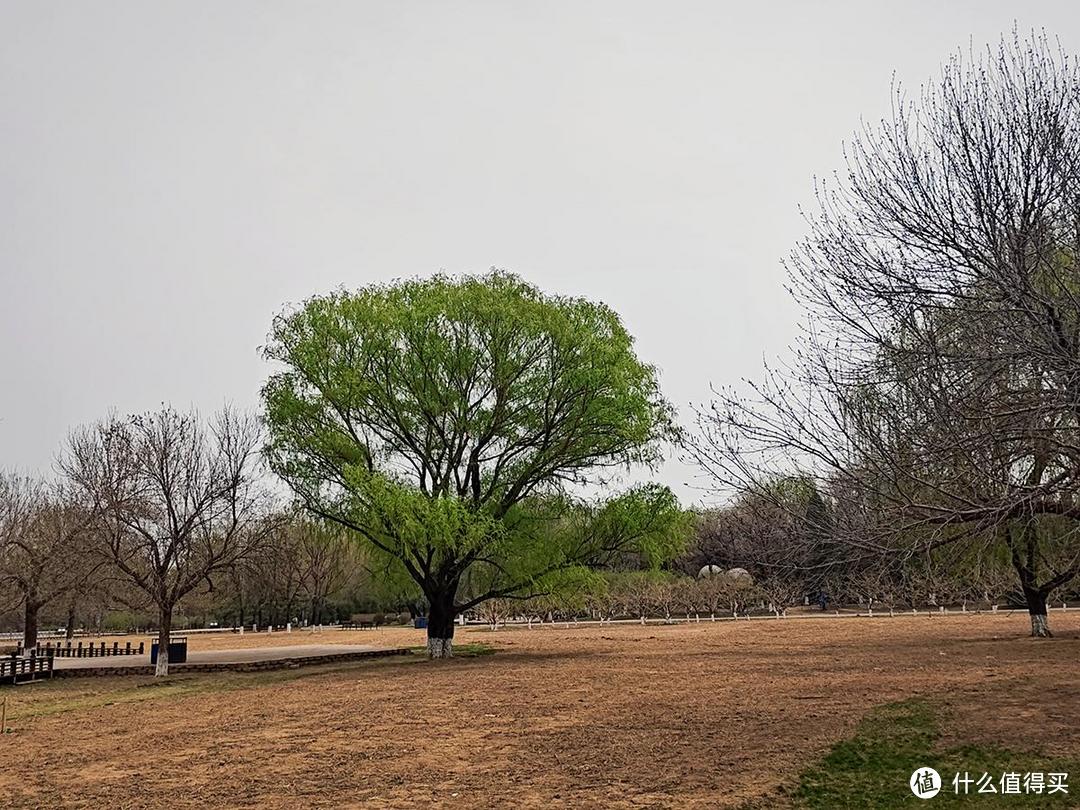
(445, 419)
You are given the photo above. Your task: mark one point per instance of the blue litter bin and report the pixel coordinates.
(420, 622)
(177, 651)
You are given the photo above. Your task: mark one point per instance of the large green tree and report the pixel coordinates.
(445, 421)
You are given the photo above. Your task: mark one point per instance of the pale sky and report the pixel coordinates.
(173, 174)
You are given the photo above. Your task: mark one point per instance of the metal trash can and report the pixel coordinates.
(177, 651)
(420, 622)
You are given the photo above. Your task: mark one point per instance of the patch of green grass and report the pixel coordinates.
(463, 650)
(871, 769)
(473, 650)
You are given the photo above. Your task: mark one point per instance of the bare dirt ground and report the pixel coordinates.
(698, 715)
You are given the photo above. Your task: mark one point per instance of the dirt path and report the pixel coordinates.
(690, 716)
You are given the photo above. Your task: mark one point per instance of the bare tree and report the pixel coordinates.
(496, 611)
(872, 586)
(330, 562)
(688, 597)
(996, 583)
(663, 593)
(936, 394)
(602, 598)
(781, 592)
(177, 501)
(19, 496)
(273, 576)
(713, 591)
(783, 541)
(48, 556)
(636, 590)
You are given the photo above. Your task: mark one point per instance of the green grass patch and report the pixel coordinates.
(871, 769)
(462, 650)
(473, 650)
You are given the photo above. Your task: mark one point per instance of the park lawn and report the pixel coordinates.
(738, 714)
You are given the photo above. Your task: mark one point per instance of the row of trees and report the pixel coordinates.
(720, 594)
(163, 513)
(155, 511)
(632, 594)
(59, 560)
(789, 538)
(443, 426)
(441, 430)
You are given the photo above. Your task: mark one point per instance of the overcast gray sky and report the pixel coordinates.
(172, 174)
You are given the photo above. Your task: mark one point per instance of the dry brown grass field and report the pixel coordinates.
(694, 715)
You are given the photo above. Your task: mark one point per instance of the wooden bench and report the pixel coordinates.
(16, 669)
(363, 621)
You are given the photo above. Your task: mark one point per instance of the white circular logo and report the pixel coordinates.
(925, 783)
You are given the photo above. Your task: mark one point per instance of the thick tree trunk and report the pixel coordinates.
(30, 625)
(164, 630)
(1023, 549)
(440, 629)
(1036, 603)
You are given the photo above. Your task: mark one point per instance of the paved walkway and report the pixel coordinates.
(210, 657)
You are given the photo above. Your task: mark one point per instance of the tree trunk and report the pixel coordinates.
(69, 629)
(164, 630)
(1036, 603)
(1025, 559)
(440, 629)
(30, 625)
